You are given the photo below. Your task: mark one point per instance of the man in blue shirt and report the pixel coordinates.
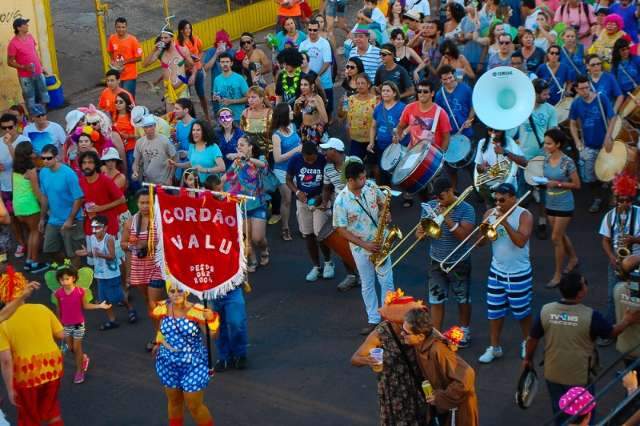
(60, 217)
(185, 116)
(595, 117)
(304, 179)
(229, 89)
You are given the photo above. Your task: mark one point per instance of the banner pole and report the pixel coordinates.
(209, 359)
(224, 194)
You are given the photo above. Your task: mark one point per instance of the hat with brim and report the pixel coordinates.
(414, 15)
(148, 121)
(527, 388)
(333, 143)
(361, 29)
(504, 188)
(17, 23)
(72, 119)
(137, 114)
(110, 154)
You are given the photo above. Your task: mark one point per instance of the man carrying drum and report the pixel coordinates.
(455, 98)
(591, 115)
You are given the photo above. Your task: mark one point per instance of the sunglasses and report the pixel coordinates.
(39, 115)
(312, 30)
(175, 290)
(423, 91)
(7, 127)
(225, 118)
(504, 42)
(93, 123)
(243, 42)
(595, 64)
(384, 54)
(554, 53)
(350, 67)
(46, 158)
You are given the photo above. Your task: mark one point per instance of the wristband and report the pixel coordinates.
(454, 227)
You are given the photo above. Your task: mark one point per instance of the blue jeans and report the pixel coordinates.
(34, 90)
(368, 276)
(134, 185)
(129, 86)
(232, 341)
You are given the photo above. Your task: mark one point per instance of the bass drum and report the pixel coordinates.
(624, 132)
(630, 110)
(391, 156)
(534, 169)
(339, 245)
(460, 152)
(621, 158)
(562, 111)
(418, 167)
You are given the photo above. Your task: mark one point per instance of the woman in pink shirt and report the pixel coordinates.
(578, 15)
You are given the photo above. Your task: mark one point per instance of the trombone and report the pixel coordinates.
(487, 230)
(431, 225)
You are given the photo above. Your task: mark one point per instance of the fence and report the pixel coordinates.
(253, 18)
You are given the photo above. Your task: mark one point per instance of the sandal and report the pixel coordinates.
(286, 235)
(264, 258)
(252, 265)
(109, 325)
(149, 346)
(571, 268)
(133, 316)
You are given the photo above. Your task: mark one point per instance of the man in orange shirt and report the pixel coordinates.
(107, 101)
(125, 51)
(288, 9)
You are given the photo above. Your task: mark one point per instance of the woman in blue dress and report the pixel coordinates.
(181, 356)
(624, 66)
(557, 74)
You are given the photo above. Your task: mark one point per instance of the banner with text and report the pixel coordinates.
(200, 242)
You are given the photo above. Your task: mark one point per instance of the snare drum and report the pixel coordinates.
(391, 156)
(630, 110)
(621, 158)
(418, 167)
(562, 110)
(459, 154)
(535, 168)
(337, 243)
(624, 132)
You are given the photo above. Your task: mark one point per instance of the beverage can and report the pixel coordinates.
(427, 389)
(345, 103)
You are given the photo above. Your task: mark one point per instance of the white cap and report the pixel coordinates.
(148, 121)
(137, 114)
(333, 143)
(72, 118)
(110, 154)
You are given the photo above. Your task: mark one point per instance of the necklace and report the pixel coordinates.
(290, 90)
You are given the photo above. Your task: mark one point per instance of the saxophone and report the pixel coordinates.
(622, 251)
(385, 242)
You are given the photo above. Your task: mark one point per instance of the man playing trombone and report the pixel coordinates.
(510, 277)
(457, 225)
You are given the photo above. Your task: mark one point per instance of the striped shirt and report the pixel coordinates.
(440, 248)
(333, 176)
(370, 60)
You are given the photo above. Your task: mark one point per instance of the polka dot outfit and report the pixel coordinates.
(187, 367)
(577, 400)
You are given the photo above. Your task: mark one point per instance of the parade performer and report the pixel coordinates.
(28, 339)
(181, 356)
(452, 380)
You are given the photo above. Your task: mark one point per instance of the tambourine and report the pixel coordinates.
(527, 388)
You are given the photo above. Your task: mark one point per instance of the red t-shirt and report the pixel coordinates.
(102, 191)
(420, 123)
(125, 48)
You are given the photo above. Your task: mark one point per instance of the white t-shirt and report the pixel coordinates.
(612, 218)
(420, 6)
(319, 53)
(52, 134)
(6, 160)
(491, 158)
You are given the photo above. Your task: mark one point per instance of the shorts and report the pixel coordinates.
(310, 221)
(258, 213)
(75, 331)
(335, 8)
(158, 284)
(459, 279)
(588, 172)
(281, 175)
(38, 404)
(34, 90)
(509, 291)
(70, 240)
(7, 199)
(110, 290)
(559, 213)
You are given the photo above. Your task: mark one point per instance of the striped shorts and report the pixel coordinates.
(509, 291)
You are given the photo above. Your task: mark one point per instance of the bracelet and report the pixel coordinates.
(454, 227)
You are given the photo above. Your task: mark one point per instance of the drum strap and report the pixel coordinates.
(621, 66)
(555, 80)
(534, 130)
(573, 64)
(446, 101)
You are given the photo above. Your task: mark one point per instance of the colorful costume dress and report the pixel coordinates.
(181, 362)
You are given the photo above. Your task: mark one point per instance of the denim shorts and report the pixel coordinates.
(34, 90)
(159, 284)
(110, 290)
(258, 213)
(335, 8)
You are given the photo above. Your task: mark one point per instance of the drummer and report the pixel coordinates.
(593, 113)
(455, 98)
(603, 82)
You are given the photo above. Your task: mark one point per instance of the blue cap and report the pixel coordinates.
(37, 109)
(505, 188)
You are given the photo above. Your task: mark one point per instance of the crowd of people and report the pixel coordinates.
(269, 124)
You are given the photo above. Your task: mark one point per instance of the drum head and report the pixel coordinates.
(629, 106)
(409, 163)
(392, 156)
(535, 168)
(616, 127)
(608, 164)
(562, 109)
(527, 388)
(459, 148)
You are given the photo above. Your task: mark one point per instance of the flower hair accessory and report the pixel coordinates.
(397, 298)
(12, 284)
(625, 185)
(93, 134)
(454, 336)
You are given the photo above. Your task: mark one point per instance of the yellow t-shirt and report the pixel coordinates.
(29, 335)
(360, 118)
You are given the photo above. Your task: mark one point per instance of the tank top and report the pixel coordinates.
(507, 257)
(287, 143)
(103, 268)
(25, 202)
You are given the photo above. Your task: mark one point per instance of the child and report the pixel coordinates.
(71, 303)
(213, 183)
(102, 247)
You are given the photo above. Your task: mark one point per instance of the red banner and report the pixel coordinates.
(200, 242)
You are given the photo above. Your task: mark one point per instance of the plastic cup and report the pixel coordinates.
(378, 355)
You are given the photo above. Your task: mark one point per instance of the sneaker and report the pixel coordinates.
(220, 366)
(85, 362)
(604, 342)
(349, 282)
(20, 251)
(523, 349)
(313, 274)
(490, 354)
(541, 231)
(595, 207)
(274, 219)
(329, 271)
(27, 266)
(466, 339)
(38, 267)
(240, 363)
(78, 378)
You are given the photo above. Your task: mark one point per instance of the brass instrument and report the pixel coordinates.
(384, 241)
(432, 226)
(487, 230)
(498, 172)
(622, 251)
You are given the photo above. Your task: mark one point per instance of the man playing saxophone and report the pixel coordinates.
(358, 212)
(457, 225)
(620, 231)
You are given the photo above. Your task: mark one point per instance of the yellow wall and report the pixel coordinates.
(37, 11)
